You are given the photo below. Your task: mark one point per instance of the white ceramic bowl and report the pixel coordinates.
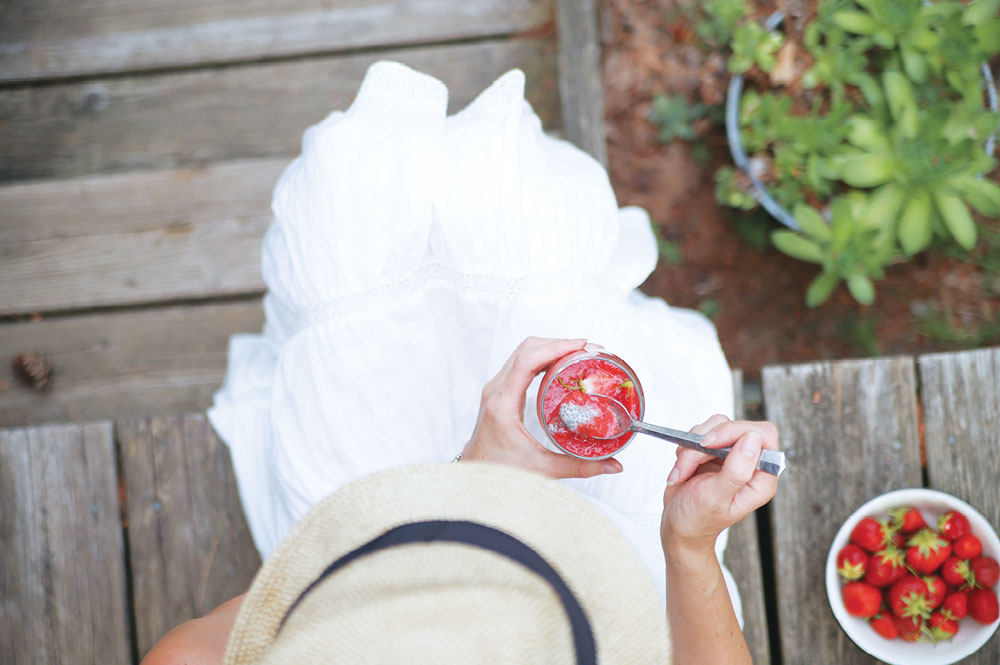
(971, 635)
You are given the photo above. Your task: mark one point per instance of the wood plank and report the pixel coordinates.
(960, 397)
(60, 38)
(136, 237)
(580, 85)
(742, 558)
(189, 543)
(121, 364)
(241, 112)
(62, 565)
(849, 429)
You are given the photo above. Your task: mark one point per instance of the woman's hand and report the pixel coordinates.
(500, 435)
(704, 495)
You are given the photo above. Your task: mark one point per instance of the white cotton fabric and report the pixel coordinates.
(410, 253)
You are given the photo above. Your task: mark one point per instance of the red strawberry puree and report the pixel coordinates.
(590, 376)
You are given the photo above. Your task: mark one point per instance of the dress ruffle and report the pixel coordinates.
(410, 253)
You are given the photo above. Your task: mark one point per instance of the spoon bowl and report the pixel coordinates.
(601, 417)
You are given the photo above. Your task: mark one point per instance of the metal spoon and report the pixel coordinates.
(771, 461)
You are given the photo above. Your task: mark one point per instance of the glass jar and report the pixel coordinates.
(591, 370)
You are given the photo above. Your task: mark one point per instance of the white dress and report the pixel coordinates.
(410, 253)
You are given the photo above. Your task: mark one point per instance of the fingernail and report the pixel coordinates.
(672, 478)
(709, 438)
(611, 467)
(577, 341)
(751, 445)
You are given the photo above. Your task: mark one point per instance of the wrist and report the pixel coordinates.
(688, 553)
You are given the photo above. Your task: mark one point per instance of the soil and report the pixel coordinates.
(756, 297)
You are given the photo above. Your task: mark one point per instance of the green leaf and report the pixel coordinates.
(923, 38)
(914, 64)
(859, 23)
(883, 206)
(868, 170)
(861, 288)
(980, 11)
(902, 100)
(812, 222)
(797, 246)
(821, 288)
(957, 218)
(872, 91)
(981, 194)
(914, 231)
(864, 132)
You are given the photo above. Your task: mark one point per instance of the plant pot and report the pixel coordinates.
(743, 162)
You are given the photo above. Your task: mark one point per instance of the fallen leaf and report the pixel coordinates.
(784, 68)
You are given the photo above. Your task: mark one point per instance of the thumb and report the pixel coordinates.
(739, 466)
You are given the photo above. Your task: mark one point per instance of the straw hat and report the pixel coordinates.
(452, 563)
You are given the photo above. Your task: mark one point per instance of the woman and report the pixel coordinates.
(410, 252)
(703, 497)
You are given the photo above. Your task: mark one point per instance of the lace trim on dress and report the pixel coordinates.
(504, 289)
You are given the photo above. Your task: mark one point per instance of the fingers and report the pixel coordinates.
(720, 432)
(564, 466)
(709, 424)
(533, 355)
(727, 433)
(740, 464)
(689, 460)
(506, 390)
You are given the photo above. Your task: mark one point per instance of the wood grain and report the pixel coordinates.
(62, 565)
(209, 115)
(742, 558)
(121, 364)
(189, 543)
(960, 397)
(580, 86)
(849, 430)
(136, 237)
(61, 38)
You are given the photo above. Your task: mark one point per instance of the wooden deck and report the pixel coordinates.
(121, 530)
(139, 144)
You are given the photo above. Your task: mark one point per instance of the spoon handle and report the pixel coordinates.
(771, 461)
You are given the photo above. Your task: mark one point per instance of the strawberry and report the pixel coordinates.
(907, 519)
(956, 605)
(983, 605)
(926, 551)
(941, 627)
(953, 525)
(967, 547)
(985, 571)
(851, 562)
(885, 567)
(936, 590)
(909, 597)
(861, 599)
(884, 625)
(599, 382)
(955, 571)
(871, 535)
(909, 628)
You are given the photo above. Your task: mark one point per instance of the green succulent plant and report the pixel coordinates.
(674, 116)
(729, 191)
(721, 19)
(754, 45)
(926, 167)
(849, 248)
(892, 139)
